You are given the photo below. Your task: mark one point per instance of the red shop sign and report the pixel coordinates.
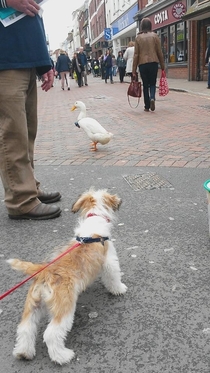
(168, 15)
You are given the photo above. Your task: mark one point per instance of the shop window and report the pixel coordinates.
(180, 38)
(163, 35)
(174, 42)
(172, 56)
(207, 36)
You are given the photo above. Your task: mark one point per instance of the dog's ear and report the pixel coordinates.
(78, 204)
(113, 201)
(84, 202)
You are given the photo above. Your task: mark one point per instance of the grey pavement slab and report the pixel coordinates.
(162, 324)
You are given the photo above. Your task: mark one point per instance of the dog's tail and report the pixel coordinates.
(27, 268)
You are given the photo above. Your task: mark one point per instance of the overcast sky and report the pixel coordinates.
(57, 18)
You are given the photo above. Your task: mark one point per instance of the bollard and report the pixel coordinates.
(207, 187)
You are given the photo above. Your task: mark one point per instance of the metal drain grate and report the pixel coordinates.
(148, 181)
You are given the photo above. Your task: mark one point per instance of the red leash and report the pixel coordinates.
(40, 270)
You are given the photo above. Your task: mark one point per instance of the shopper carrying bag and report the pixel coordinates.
(134, 90)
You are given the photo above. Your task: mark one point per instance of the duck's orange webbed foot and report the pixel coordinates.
(93, 147)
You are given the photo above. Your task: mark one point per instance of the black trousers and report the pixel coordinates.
(121, 73)
(148, 72)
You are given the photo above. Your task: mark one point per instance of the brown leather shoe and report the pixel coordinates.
(48, 197)
(39, 212)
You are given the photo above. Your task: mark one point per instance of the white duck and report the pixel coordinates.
(91, 126)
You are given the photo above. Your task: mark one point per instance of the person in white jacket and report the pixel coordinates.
(128, 56)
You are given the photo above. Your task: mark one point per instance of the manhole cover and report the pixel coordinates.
(148, 181)
(100, 97)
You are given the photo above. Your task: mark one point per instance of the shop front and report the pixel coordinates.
(124, 30)
(167, 22)
(198, 18)
(99, 48)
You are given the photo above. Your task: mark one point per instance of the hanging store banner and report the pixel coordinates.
(126, 20)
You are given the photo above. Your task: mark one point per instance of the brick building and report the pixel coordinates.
(198, 18)
(167, 22)
(97, 19)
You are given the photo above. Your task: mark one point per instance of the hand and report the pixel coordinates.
(29, 7)
(47, 80)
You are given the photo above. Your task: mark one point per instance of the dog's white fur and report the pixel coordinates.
(58, 286)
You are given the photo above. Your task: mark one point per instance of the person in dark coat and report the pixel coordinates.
(108, 66)
(77, 68)
(207, 60)
(63, 69)
(121, 64)
(83, 63)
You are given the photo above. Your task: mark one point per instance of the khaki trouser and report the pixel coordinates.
(64, 78)
(18, 128)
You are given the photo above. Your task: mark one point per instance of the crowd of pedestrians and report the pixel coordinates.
(140, 58)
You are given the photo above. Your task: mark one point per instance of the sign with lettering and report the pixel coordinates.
(125, 20)
(168, 15)
(178, 10)
(107, 34)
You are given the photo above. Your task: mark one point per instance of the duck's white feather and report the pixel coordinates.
(94, 130)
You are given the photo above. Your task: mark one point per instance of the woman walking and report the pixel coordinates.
(108, 66)
(63, 69)
(121, 63)
(128, 56)
(147, 55)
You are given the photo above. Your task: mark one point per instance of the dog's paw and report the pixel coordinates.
(62, 356)
(121, 289)
(26, 353)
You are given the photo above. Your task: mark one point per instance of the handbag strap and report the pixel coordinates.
(133, 107)
(163, 74)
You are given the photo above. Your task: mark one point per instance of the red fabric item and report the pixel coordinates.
(163, 85)
(134, 89)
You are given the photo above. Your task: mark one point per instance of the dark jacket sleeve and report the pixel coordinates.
(207, 53)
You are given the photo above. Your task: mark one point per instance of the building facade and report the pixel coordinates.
(182, 25)
(166, 17)
(121, 23)
(198, 18)
(97, 22)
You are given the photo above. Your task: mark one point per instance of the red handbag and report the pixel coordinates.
(163, 85)
(134, 90)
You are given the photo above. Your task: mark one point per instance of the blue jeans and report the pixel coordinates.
(109, 73)
(114, 70)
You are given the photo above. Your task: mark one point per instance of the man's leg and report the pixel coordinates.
(85, 75)
(16, 153)
(18, 127)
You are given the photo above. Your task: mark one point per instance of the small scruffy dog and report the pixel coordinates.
(58, 286)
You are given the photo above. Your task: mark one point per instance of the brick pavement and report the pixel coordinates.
(175, 135)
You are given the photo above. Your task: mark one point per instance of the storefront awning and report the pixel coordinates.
(199, 10)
